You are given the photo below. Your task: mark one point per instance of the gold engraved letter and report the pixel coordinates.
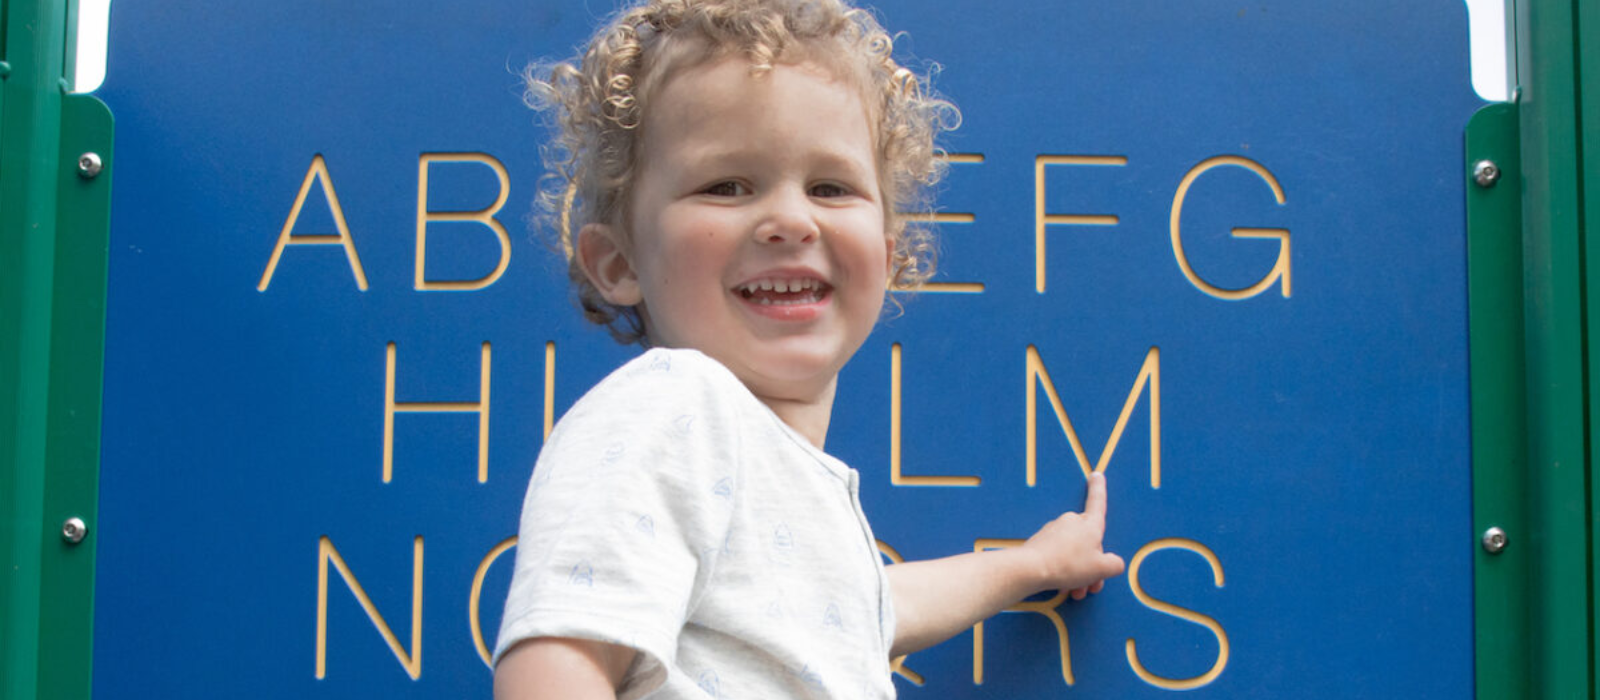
(317, 173)
(477, 593)
(898, 664)
(895, 477)
(1149, 374)
(1041, 219)
(1181, 613)
(1046, 608)
(1280, 269)
(483, 216)
(549, 387)
(391, 407)
(947, 218)
(412, 662)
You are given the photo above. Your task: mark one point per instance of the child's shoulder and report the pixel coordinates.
(669, 370)
(661, 385)
(665, 406)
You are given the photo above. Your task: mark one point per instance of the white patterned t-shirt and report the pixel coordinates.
(672, 512)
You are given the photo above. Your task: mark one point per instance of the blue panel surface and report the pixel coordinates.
(1312, 437)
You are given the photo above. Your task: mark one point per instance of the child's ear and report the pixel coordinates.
(606, 264)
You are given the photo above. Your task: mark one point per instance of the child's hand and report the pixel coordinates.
(1068, 549)
(936, 599)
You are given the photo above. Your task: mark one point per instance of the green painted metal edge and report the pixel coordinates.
(72, 458)
(1560, 590)
(54, 232)
(69, 42)
(5, 65)
(1499, 436)
(29, 153)
(1586, 76)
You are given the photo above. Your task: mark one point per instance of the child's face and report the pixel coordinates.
(747, 186)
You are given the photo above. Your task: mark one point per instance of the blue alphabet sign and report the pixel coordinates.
(1214, 250)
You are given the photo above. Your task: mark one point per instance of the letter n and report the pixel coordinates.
(412, 662)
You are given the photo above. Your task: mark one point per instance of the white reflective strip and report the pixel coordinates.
(93, 16)
(1491, 61)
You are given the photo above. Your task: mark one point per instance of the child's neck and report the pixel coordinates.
(809, 417)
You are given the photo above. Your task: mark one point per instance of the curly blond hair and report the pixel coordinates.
(598, 103)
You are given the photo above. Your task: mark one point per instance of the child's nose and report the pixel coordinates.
(787, 219)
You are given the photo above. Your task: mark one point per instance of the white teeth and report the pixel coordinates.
(781, 286)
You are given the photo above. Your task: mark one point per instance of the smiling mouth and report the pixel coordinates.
(783, 292)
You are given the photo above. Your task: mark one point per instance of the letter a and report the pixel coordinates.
(286, 237)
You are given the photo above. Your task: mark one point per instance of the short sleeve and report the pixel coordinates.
(628, 511)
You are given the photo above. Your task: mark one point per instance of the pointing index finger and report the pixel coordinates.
(1094, 504)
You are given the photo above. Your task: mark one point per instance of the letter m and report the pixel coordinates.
(1149, 375)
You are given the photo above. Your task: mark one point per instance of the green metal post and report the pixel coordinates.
(1556, 255)
(1586, 120)
(1532, 240)
(54, 227)
(28, 160)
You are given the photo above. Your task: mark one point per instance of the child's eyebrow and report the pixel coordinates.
(748, 156)
(844, 161)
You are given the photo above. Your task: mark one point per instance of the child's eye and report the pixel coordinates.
(829, 189)
(727, 188)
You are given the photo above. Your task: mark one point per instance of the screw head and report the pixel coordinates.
(1486, 173)
(74, 530)
(89, 165)
(1494, 540)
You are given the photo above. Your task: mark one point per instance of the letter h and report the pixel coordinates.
(480, 407)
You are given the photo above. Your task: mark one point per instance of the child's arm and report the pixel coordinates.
(935, 600)
(560, 668)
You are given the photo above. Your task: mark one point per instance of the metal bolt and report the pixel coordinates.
(89, 165)
(1494, 540)
(1486, 173)
(73, 530)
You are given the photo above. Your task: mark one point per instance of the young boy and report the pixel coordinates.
(735, 169)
